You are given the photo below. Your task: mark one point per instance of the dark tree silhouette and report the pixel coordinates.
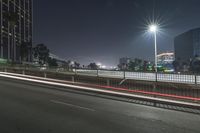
(76, 65)
(93, 66)
(41, 52)
(25, 50)
(132, 65)
(195, 65)
(176, 65)
(52, 62)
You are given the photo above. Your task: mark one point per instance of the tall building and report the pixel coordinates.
(187, 45)
(15, 28)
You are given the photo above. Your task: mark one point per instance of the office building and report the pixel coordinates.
(187, 46)
(15, 28)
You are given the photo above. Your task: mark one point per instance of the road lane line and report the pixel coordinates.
(72, 105)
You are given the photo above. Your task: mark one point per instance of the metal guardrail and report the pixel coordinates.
(161, 77)
(140, 76)
(111, 74)
(177, 86)
(197, 79)
(177, 78)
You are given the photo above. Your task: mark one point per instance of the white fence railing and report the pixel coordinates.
(111, 74)
(140, 76)
(198, 79)
(162, 77)
(174, 78)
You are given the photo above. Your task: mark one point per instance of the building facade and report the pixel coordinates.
(15, 28)
(123, 63)
(166, 58)
(61, 62)
(187, 46)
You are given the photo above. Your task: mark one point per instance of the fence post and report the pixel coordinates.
(23, 72)
(108, 82)
(155, 87)
(73, 79)
(45, 75)
(195, 79)
(156, 77)
(75, 71)
(97, 73)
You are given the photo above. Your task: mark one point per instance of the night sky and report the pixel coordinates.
(104, 30)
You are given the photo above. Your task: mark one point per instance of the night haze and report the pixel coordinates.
(105, 30)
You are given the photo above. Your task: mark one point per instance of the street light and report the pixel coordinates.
(153, 29)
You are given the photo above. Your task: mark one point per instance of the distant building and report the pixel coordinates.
(165, 61)
(187, 46)
(124, 60)
(166, 58)
(123, 63)
(59, 60)
(16, 20)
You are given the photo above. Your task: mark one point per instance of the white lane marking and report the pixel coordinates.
(72, 105)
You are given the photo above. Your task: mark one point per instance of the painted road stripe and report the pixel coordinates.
(72, 105)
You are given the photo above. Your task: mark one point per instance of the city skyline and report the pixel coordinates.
(103, 31)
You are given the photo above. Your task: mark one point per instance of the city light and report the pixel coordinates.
(99, 64)
(153, 28)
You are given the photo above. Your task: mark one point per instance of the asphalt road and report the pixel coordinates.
(31, 108)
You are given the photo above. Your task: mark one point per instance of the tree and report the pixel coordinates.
(25, 49)
(52, 62)
(135, 65)
(145, 65)
(123, 66)
(138, 65)
(176, 65)
(195, 64)
(41, 52)
(93, 66)
(66, 65)
(76, 65)
(131, 66)
(138, 62)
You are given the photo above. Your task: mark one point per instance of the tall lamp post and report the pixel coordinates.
(153, 29)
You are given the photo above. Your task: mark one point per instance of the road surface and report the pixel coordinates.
(30, 108)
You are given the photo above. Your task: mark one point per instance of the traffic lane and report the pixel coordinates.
(30, 108)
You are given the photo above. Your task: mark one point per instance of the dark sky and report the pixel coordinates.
(104, 30)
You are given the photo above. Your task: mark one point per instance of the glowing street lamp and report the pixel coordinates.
(153, 29)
